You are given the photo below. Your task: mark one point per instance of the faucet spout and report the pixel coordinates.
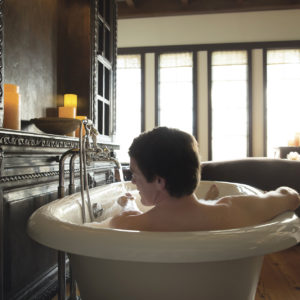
(72, 188)
(61, 186)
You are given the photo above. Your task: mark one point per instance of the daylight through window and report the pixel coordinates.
(128, 108)
(175, 107)
(283, 97)
(229, 105)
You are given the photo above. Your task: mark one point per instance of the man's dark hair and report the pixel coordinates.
(171, 154)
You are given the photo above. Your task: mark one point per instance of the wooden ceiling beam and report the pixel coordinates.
(154, 8)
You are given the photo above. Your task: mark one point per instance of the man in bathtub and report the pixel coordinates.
(165, 167)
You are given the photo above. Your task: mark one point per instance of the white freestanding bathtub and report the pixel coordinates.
(120, 264)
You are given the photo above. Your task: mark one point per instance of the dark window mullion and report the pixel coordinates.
(209, 78)
(143, 94)
(195, 94)
(249, 100)
(265, 100)
(157, 120)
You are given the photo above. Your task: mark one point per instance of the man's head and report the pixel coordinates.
(170, 154)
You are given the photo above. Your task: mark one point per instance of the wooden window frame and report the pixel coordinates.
(195, 48)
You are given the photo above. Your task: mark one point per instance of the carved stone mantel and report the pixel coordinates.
(29, 173)
(12, 138)
(36, 155)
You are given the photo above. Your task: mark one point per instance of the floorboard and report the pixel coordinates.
(280, 276)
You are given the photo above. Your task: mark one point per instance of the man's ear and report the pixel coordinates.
(160, 183)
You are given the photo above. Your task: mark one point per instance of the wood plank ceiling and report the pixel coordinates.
(153, 8)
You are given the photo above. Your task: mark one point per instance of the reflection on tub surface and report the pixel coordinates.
(121, 264)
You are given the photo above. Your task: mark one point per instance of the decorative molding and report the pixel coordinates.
(14, 178)
(32, 141)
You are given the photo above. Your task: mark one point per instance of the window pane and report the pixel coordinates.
(229, 105)
(283, 97)
(128, 100)
(176, 91)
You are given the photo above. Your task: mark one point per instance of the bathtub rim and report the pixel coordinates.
(194, 246)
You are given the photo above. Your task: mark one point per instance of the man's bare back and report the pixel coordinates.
(189, 214)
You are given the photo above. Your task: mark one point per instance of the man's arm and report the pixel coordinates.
(246, 210)
(129, 208)
(212, 193)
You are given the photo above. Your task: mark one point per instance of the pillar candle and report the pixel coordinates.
(11, 107)
(297, 139)
(77, 132)
(70, 100)
(67, 112)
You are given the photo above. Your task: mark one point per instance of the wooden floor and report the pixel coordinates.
(280, 276)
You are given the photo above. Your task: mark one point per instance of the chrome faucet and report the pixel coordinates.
(87, 152)
(91, 153)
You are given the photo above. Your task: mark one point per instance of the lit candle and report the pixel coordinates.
(297, 139)
(11, 107)
(78, 129)
(70, 100)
